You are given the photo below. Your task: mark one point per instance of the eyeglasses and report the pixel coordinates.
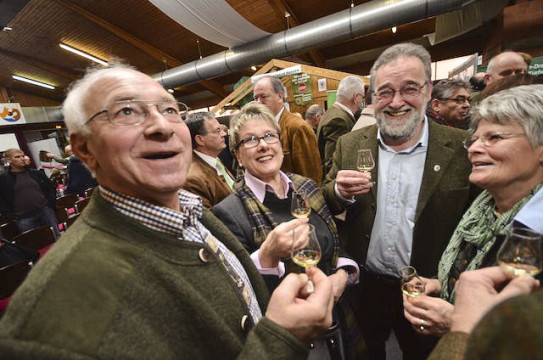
(490, 139)
(135, 112)
(408, 92)
(459, 99)
(509, 72)
(219, 130)
(254, 141)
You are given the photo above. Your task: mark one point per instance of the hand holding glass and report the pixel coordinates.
(520, 253)
(412, 285)
(309, 255)
(299, 207)
(365, 162)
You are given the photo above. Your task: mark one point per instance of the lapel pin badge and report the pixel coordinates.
(437, 168)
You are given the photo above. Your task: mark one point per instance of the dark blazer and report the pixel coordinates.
(301, 155)
(335, 122)
(204, 181)
(7, 186)
(444, 195)
(79, 177)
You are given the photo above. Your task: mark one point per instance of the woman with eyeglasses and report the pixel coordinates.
(506, 152)
(259, 210)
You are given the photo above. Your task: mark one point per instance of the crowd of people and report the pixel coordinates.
(179, 256)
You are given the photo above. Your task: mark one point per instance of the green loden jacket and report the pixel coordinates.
(112, 288)
(445, 195)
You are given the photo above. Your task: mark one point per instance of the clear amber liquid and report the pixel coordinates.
(412, 290)
(301, 213)
(365, 168)
(518, 269)
(306, 258)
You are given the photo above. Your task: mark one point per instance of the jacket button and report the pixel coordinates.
(203, 255)
(244, 323)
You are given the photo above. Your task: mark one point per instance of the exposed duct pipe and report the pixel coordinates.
(354, 22)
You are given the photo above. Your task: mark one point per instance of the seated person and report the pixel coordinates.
(506, 150)
(79, 177)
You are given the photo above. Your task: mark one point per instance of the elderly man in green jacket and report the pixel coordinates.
(145, 272)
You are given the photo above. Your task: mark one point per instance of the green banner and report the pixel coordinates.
(301, 89)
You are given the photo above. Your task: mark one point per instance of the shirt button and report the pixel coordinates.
(203, 255)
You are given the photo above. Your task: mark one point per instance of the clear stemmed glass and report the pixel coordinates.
(520, 253)
(365, 162)
(309, 255)
(299, 206)
(411, 283)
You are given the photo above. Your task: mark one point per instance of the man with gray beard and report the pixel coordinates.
(404, 211)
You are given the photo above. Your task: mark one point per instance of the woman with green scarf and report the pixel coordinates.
(506, 150)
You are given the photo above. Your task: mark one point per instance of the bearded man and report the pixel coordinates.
(404, 211)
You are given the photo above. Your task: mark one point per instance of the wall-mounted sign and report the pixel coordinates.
(11, 114)
(281, 73)
(301, 86)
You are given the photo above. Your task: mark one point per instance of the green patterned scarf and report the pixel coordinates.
(479, 227)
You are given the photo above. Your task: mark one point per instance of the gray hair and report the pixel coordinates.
(276, 83)
(492, 62)
(444, 88)
(251, 111)
(195, 123)
(522, 105)
(313, 111)
(403, 50)
(73, 107)
(348, 87)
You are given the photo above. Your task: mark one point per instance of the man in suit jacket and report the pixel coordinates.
(301, 155)
(208, 177)
(146, 272)
(485, 328)
(340, 118)
(404, 211)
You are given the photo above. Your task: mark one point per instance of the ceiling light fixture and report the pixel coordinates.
(33, 82)
(171, 91)
(6, 28)
(394, 29)
(82, 53)
(253, 68)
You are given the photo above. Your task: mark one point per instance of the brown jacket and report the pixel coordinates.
(299, 147)
(204, 181)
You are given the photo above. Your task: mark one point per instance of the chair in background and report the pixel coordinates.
(11, 277)
(40, 239)
(88, 192)
(81, 204)
(9, 230)
(65, 208)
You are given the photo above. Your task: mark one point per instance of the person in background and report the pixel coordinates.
(146, 272)
(340, 118)
(506, 151)
(408, 215)
(67, 150)
(79, 177)
(297, 138)
(208, 177)
(367, 117)
(26, 195)
(494, 318)
(313, 116)
(505, 64)
(509, 82)
(449, 104)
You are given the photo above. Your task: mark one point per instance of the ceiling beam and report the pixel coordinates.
(281, 7)
(212, 85)
(40, 64)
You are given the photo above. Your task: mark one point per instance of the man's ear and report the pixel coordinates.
(198, 139)
(80, 147)
(486, 78)
(435, 105)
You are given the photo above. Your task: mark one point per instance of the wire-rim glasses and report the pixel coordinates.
(254, 141)
(490, 139)
(408, 92)
(135, 112)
